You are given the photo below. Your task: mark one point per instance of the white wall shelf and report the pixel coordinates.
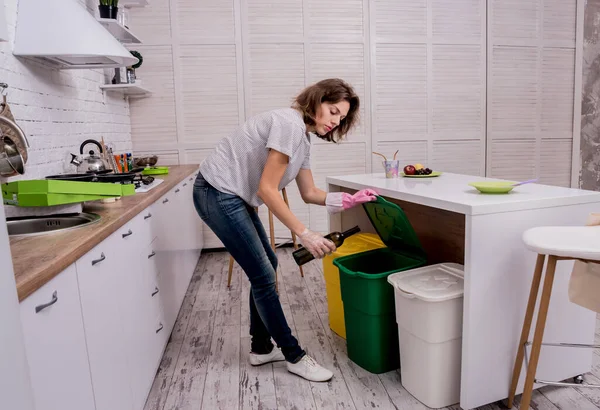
(121, 33)
(133, 3)
(134, 90)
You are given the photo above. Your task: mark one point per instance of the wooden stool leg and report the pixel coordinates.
(539, 333)
(533, 293)
(285, 198)
(230, 271)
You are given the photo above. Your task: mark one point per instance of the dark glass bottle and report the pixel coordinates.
(302, 255)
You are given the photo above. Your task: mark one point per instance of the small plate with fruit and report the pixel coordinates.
(419, 171)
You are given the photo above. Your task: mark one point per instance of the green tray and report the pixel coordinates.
(127, 189)
(50, 192)
(155, 171)
(50, 199)
(43, 186)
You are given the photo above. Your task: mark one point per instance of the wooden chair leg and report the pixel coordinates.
(533, 293)
(230, 271)
(539, 333)
(285, 198)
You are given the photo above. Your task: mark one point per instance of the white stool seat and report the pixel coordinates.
(567, 241)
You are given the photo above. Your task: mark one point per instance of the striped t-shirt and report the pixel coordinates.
(236, 165)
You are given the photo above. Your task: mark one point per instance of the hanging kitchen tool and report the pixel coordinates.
(92, 162)
(11, 161)
(9, 147)
(11, 130)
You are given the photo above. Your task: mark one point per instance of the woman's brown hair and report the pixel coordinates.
(332, 90)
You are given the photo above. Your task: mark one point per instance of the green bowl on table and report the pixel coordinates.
(493, 187)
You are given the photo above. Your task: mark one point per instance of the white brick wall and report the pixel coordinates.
(59, 109)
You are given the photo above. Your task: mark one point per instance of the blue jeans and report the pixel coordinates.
(238, 226)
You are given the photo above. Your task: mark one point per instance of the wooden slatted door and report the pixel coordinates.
(531, 71)
(428, 83)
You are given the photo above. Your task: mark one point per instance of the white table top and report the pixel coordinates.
(452, 192)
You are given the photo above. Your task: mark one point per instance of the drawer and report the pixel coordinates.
(135, 234)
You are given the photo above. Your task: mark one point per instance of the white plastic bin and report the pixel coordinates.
(429, 308)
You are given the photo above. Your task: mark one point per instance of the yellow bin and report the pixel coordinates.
(361, 242)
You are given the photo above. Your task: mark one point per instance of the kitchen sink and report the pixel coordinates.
(42, 225)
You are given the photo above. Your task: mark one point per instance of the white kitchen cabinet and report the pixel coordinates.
(56, 346)
(178, 246)
(100, 273)
(129, 321)
(119, 303)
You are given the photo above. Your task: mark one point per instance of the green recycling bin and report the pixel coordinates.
(368, 298)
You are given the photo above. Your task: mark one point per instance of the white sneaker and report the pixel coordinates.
(308, 368)
(274, 356)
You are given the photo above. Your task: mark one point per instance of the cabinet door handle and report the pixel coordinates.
(185, 184)
(177, 190)
(148, 216)
(45, 305)
(152, 254)
(190, 179)
(155, 291)
(125, 235)
(160, 327)
(102, 257)
(165, 200)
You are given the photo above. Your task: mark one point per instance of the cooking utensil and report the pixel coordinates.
(13, 138)
(10, 128)
(11, 161)
(5, 168)
(111, 159)
(89, 177)
(102, 176)
(92, 162)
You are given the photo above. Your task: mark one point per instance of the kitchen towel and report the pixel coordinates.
(584, 285)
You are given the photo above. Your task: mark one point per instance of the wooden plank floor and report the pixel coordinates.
(205, 365)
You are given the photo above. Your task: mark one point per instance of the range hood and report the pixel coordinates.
(65, 34)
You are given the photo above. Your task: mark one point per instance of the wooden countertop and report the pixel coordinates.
(38, 259)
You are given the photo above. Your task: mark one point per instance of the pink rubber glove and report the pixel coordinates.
(341, 201)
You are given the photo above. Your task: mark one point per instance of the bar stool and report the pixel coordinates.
(272, 236)
(558, 243)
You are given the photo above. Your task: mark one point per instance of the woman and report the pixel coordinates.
(249, 168)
